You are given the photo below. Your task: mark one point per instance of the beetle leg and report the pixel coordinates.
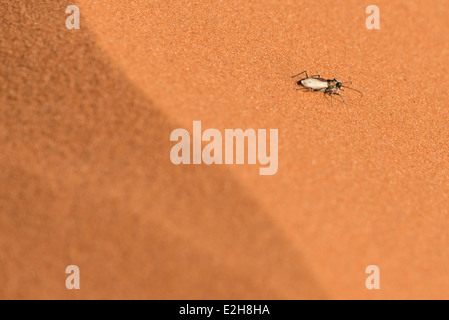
(300, 74)
(341, 98)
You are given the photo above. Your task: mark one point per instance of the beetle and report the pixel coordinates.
(328, 86)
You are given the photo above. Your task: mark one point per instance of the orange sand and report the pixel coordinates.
(86, 179)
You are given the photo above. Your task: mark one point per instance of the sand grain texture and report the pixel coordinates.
(85, 120)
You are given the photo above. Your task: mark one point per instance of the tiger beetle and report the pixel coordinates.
(328, 86)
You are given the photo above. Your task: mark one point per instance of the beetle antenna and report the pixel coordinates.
(353, 89)
(350, 82)
(299, 74)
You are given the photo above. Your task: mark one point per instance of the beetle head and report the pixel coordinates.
(338, 83)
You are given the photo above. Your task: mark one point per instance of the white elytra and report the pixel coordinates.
(314, 84)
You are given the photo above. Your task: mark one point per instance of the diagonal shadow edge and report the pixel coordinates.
(87, 178)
